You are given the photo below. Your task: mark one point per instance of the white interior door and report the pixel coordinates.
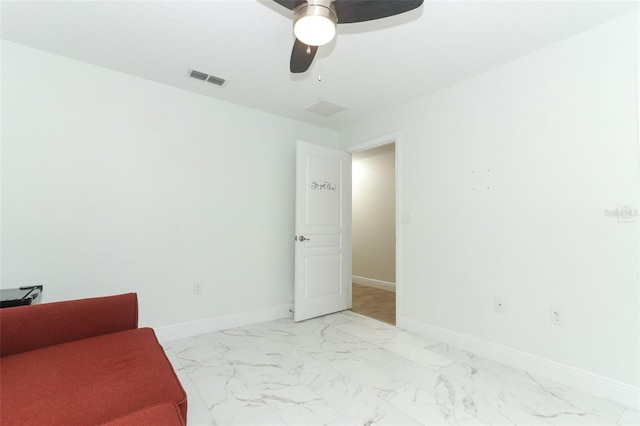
(323, 231)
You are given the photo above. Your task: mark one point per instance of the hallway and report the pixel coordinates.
(375, 303)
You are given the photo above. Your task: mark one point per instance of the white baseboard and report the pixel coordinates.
(370, 282)
(622, 393)
(209, 325)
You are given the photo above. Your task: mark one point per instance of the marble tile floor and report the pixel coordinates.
(347, 369)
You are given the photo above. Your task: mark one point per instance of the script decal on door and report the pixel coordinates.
(326, 186)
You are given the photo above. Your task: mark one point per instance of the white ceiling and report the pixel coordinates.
(368, 67)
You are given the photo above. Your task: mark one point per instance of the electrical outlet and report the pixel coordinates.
(555, 316)
(197, 288)
(500, 305)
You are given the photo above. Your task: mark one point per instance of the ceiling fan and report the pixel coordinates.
(314, 22)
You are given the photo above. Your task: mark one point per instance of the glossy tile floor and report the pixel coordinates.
(346, 369)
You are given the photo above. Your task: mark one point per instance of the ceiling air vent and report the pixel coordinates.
(325, 108)
(206, 77)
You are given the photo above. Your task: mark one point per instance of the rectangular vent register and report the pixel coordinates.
(209, 78)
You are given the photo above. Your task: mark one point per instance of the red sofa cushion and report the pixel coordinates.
(166, 414)
(89, 381)
(25, 328)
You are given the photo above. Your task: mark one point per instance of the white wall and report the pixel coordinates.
(112, 184)
(374, 215)
(558, 131)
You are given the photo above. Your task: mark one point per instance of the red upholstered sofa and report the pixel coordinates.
(85, 362)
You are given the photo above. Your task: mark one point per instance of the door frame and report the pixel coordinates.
(373, 143)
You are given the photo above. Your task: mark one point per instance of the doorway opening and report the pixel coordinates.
(374, 231)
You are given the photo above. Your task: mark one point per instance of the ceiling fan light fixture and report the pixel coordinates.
(315, 22)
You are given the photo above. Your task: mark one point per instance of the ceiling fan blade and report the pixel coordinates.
(350, 11)
(290, 4)
(300, 59)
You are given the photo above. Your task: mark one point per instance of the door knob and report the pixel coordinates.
(302, 238)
